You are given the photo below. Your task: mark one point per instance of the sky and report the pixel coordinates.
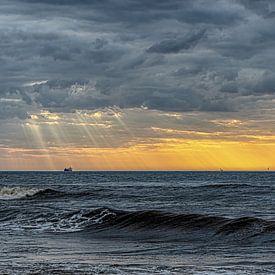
(137, 84)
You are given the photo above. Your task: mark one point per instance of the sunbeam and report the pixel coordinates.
(34, 135)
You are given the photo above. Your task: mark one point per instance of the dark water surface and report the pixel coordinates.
(137, 223)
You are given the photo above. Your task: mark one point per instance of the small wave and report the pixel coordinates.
(45, 193)
(49, 193)
(225, 185)
(246, 227)
(9, 193)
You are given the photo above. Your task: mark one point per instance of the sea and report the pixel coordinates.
(137, 223)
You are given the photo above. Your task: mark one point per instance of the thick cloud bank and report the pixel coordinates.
(174, 55)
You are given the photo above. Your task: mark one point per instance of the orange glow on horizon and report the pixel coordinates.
(110, 139)
(163, 154)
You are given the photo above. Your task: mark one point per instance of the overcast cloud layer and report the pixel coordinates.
(67, 55)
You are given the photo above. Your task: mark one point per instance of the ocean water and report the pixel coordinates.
(137, 223)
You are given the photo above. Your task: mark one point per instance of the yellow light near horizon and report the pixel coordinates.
(167, 154)
(90, 141)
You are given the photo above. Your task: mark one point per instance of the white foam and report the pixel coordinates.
(78, 222)
(9, 193)
(62, 223)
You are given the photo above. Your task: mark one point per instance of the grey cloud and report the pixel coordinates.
(230, 88)
(251, 81)
(261, 7)
(140, 11)
(264, 84)
(94, 54)
(176, 45)
(217, 106)
(68, 98)
(12, 109)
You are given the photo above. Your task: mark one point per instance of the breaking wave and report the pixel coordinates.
(11, 193)
(150, 220)
(143, 224)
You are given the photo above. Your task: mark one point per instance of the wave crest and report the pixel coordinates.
(16, 192)
(9, 193)
(143, 224)
(102, 219)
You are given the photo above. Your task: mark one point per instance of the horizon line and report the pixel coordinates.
(216, 170)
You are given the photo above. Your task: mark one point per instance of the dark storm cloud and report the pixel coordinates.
(165, 55)
(176, 45)
(261, 7)
(140, 11)
(10, 108)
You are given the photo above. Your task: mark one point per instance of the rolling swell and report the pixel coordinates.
(140, 224)
(162, 221)
(49, 193)
(46, 193)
